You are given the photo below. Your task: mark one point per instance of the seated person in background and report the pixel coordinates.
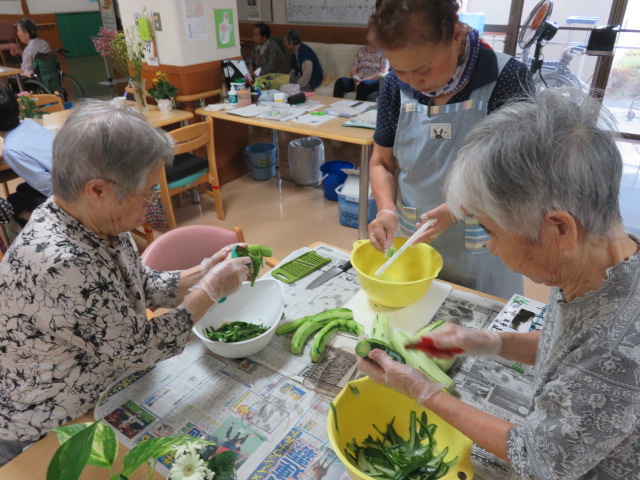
(367, 67)
(28, 34)
(560, 226)
(266, 54)
(27, 150)
(305, 66)
(73, 291)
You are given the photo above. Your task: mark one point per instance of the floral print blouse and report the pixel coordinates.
(73, 319)
(584, 419)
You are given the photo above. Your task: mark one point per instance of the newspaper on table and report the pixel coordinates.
(265, 408)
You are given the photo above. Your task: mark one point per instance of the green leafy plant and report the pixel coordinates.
(162, 88)
(28, 107)
(83, 444)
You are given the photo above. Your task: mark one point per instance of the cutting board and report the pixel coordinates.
(409, 319)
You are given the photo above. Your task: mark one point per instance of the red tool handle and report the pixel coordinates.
(426, 345)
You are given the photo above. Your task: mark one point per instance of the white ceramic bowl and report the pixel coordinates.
(262, 303)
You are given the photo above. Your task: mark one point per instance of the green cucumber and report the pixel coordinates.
(443, 364)
(322, 338)
(380, 328)
(333, 313)
(364, 347)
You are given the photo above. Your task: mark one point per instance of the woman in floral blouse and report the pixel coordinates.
(73, 291)
(543, 177)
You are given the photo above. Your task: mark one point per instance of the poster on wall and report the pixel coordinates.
(224, 27)
(253, 10)
(195, 25)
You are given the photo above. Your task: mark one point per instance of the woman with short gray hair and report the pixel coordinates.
(543, 178)
(73, 291)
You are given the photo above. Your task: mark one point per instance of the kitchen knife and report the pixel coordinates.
(329, 274)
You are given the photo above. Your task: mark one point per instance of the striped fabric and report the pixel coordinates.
(449, 108)
(476, 238)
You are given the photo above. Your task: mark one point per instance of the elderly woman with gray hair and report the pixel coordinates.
(543, 178)
(73, 291)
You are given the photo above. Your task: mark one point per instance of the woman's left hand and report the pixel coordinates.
(404, 379)
(208, 263)
(443, 220)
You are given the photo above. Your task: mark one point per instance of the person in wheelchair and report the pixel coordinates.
(28, 151)
(28, 34)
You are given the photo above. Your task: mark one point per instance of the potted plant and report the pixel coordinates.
(95, 444)
(125, 52)
(28, 107)
(163, 92)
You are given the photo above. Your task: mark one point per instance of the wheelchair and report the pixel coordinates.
(48, 77)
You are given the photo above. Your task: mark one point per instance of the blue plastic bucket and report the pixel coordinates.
(261, 157)
(333, 177)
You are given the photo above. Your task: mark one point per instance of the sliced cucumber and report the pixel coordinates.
(364, 347)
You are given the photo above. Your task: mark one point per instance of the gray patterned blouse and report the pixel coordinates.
(72, 319)
(584, 419)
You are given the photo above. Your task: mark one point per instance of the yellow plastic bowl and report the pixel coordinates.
(405, 281)
(377, 404)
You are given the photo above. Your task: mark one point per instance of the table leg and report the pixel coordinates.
(363, 199)
(274, 139)
(19, 82)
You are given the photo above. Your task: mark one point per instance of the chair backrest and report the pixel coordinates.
(191, 137)
(49, 103)
(185, 247)
(45, 65)
(8, 32)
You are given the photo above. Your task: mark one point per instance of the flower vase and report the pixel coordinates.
(165, 104)
(140, 93)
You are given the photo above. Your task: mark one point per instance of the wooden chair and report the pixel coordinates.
(185, 247)
(189, 170)
(8, 35)
(145, 231)
(48, 103)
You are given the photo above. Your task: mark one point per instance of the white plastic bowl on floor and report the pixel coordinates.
(261, 304)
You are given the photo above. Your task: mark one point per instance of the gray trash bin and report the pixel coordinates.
(305, 157)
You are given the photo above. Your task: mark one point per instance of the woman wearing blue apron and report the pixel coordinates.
(444, 80)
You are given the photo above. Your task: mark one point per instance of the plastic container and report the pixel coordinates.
(348, 209)
(364, 403)
(306, 155)
(334, 177)
(244, 97)
(474, 20)
(261, 158)
(405, 281)
(233, 94)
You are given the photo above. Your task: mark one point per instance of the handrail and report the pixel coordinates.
(197, 96)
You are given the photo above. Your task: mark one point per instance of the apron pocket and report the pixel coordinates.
(407, 219)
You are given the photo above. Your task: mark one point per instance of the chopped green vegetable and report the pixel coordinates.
(234, 332)
(365, 346)
(335, 416)
(256, 254)
(392, 457)
(380, 328)
(355, 390)
(443, 364)
(333, 313)
(322, 338)
(391, 252)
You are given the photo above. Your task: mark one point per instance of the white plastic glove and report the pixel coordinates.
(210, 262)
(481, 343)
(225, 278)
(383, 229)
(402, 378)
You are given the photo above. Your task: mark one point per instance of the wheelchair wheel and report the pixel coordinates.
(34, 86)
(72, 89)
(558, 80)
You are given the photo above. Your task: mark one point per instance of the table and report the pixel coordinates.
(12, 72)
(235, 389)
(330, 130)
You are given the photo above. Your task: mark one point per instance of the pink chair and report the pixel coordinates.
(8, 35)
(185, 247)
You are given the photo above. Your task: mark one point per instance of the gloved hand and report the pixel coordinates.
(481, 343)
(382, 229)
(225, 278)
(443, 220)
(208, 263)
(404, 379)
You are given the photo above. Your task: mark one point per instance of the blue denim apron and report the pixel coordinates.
(426, 144)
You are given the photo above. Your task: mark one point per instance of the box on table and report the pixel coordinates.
(349, 200)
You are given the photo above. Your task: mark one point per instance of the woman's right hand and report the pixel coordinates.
(382, 230)
(225, 278)
(208, 263)
(473, 341)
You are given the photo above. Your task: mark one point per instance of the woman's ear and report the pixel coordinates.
(561, 228)
(96, 189)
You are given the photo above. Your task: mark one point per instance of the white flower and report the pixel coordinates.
(189, 447)
(190, 467)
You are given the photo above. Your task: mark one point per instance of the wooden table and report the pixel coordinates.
(12, 72)
(330, 130)
(33, 462)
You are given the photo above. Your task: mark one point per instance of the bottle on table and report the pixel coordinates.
(233, 95)
(224, 93)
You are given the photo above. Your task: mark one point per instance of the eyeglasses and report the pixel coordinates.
(150, 199)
